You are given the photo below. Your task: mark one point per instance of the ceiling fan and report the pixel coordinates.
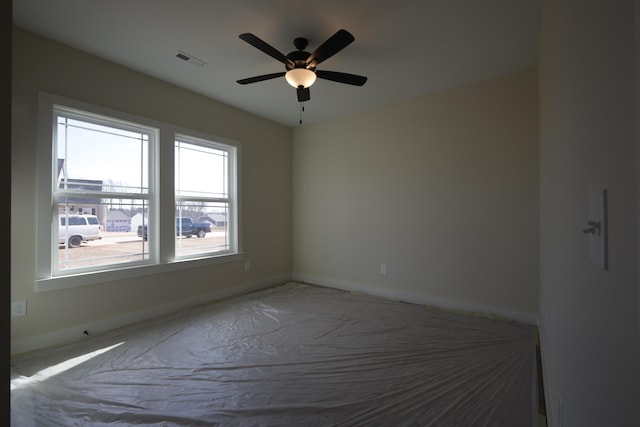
(301, 65)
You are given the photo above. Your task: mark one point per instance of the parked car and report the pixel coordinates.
(184, 227)
(75, 229)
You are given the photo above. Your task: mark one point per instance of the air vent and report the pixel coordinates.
(190, 59)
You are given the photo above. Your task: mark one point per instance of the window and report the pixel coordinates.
(100, 165)
(204, 180)
(99, 214)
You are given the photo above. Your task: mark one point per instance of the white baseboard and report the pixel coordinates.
(418, 298)
(75, 333)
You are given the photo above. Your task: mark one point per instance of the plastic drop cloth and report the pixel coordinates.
(293, 355)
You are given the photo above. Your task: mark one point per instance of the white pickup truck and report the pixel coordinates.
(75, 229)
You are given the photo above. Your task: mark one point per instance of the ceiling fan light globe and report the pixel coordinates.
(300, 77)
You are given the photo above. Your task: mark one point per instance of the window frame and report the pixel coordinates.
(161, 196)
(151, 195)
(198, 139)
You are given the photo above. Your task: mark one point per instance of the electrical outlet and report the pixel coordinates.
(19, 308)
(247, 265)
(383, 268)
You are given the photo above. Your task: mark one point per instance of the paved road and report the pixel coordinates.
(115, 248)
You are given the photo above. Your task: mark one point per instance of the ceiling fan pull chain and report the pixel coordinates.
(301, 110)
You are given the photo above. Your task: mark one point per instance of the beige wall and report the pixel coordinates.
(442, 188)
(41, 65)
(588, 317)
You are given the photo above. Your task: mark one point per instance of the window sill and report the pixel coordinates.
(77, 280)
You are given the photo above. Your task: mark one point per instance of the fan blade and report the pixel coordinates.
(266, 48)
(260, 78)
(350, 79)
(333, 45)
(303, 94)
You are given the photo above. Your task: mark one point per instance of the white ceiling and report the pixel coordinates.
(404, 47)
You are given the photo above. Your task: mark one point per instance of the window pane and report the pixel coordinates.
(202, 228)
(93, 157)
(107, 238)
(201, 171)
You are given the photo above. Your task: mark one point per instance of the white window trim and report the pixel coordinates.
(165, 203)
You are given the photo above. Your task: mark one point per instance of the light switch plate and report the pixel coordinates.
(598, 243)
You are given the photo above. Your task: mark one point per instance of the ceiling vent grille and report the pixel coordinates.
(190, 59)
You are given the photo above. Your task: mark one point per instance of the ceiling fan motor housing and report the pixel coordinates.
(299, 57)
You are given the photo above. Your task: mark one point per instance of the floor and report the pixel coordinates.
(295, 354)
